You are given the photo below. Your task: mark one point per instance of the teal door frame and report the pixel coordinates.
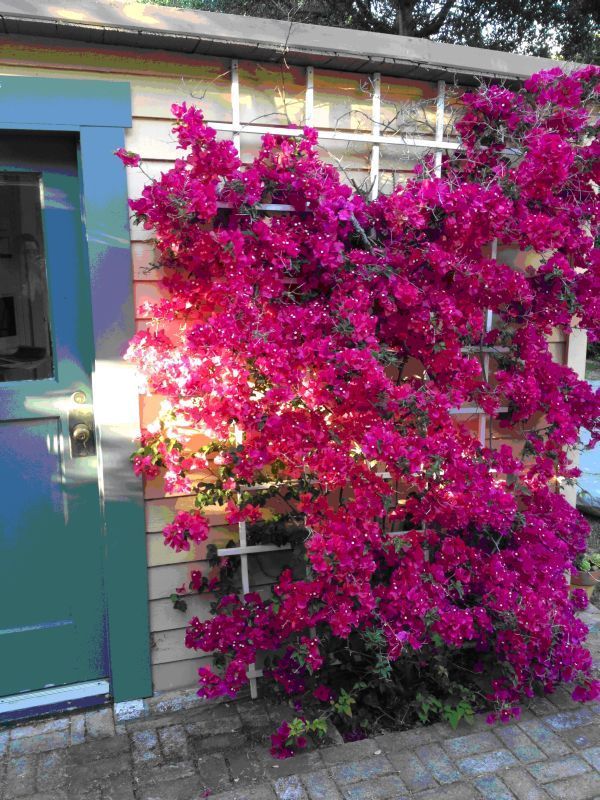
(99, 111)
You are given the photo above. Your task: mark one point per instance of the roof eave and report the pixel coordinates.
(162, 28)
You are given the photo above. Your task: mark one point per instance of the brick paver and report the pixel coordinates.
(522, 784)
(414, 773)
(493, 788)
(173, 748)
(320, 786)
(544, 738)
(290, 789)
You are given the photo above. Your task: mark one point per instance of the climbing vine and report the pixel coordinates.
(324, 354)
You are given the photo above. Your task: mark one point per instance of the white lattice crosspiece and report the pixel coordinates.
(337, 136)
(439, 126)
(243, 551)
(489, 317)
(376, 122)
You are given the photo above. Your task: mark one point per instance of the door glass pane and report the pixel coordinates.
(25, 349)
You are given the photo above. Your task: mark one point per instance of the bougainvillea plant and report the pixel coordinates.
(324, 353)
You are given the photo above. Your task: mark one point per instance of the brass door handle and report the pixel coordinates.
(81, 427)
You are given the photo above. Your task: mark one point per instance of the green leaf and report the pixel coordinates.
(179, 604)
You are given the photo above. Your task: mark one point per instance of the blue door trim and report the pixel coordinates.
(66, 102)
(100, 111)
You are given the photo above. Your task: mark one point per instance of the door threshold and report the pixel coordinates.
(53, 699)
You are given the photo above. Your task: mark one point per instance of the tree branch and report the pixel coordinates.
(404, 17)
(437, 22)
(365, 17)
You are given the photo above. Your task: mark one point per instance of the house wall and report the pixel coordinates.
(339, 104)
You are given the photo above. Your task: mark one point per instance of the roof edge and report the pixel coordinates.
(143, 25)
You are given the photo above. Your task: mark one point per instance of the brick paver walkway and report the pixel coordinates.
(181, 751)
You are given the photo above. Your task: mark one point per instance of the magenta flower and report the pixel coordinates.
(127, 157)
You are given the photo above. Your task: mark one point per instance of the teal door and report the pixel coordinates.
(52, 617)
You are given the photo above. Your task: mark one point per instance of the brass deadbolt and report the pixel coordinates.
(81, 433)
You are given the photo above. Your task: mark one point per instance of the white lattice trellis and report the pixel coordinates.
(376, 139)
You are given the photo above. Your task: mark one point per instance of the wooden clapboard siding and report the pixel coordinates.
(164, 618)
(177, 674)
(257, 98)
(163, 579)
(170, 646)
(153, 139)
(142, 259)
(136, 180)
(158, 554)
(154, 489)
(161, 511)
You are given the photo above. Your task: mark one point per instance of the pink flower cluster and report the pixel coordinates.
(186, 527)
(339, 339)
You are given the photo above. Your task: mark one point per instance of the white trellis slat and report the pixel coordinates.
(489, 316)
(253, 549)
(439, 125)
(476, 410)
(340, 136)
(376, 122)
(239, 437)
(235, 104)
(309, 97)
(262, 206)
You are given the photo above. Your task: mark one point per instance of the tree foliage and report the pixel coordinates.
(567, 29)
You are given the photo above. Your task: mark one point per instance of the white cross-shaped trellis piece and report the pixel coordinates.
(489, 316)
(243, 551)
